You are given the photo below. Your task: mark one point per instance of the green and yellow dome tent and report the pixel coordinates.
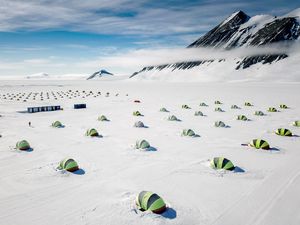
(235, 107)
(259, 113)
(283, 132)
(57, 124)
(188, 132)
(296, 123)
(102, 118)
(242, 117)
(23, 145)
(136, 113)
(248, 104)
(272, 109)
(203, 104)
(92, 133)
(149, 201)
(283, 106)
(220, 124)
(199, 113)
(68, 164)
(185, 107)
(218, 109)
(142, 144)
(163, 110)
(173, 118)
(218, 102)
(139, 124)
(221, 163)
(259, 144)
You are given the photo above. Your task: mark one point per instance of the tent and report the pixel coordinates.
(218, 109)
(57, 124)
(220, 124)
(259, 113)
(173, 118)
(218, 102)
(248, 104)
(23, 145)
(136, 113)
(203, 104)
(92, 132)
(142, 144)
(163, 110)
(221, 163)
(283, 132)
(258, 143)
(272, 109)
(283, 106)
(235, 107)
(149, 201)
(68, 164)
(185, 107)
(188, 132)
(139, 124)
(242, 117)
(198, 113)
(296, 123)
(102, 118)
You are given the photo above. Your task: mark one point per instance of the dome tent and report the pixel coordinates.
(203, 104)
(136, 113)
(283, 106)
(185, 107)
(259, 113)
(218, 102)
(235, 107)
(188, 132)
(102, 118)
(199, 113)
(221, 163)
(296, 123)
(248, 104)
(163, 110)
(68, 165)
(220, 124)
(258, 143)
(139, 124)
(142, 144)
(272, 109)
(149, 201)
(218, 109)
(57, 124)
(173, 118)
(92, 133)
(283, 132)
(22, 145)
(242, 117)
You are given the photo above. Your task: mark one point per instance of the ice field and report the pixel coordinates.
(264, 188)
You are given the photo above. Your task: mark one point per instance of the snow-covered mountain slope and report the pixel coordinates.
(241, 31)
(99, 73)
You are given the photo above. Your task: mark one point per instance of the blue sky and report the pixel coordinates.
(60, 37)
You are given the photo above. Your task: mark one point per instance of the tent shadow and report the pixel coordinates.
(295, 135)
(196, 136)
(227, 126)
(151, 149)
(79, 172)
(238, 169)
(170, 213)
(274, 149)
(28, 150)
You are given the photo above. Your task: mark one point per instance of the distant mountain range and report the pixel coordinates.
(100, 73)
(237, 31)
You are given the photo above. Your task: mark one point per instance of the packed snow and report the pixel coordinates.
(262, 190)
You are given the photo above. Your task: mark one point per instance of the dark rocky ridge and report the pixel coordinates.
(231, 34)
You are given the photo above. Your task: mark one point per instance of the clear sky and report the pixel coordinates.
(72, 36)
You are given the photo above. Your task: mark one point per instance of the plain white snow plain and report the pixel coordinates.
(264, 189)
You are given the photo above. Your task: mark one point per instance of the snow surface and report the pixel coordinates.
(33, 192)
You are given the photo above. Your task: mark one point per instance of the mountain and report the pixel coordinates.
(240, 30)
(38, 76)
(100, 73)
